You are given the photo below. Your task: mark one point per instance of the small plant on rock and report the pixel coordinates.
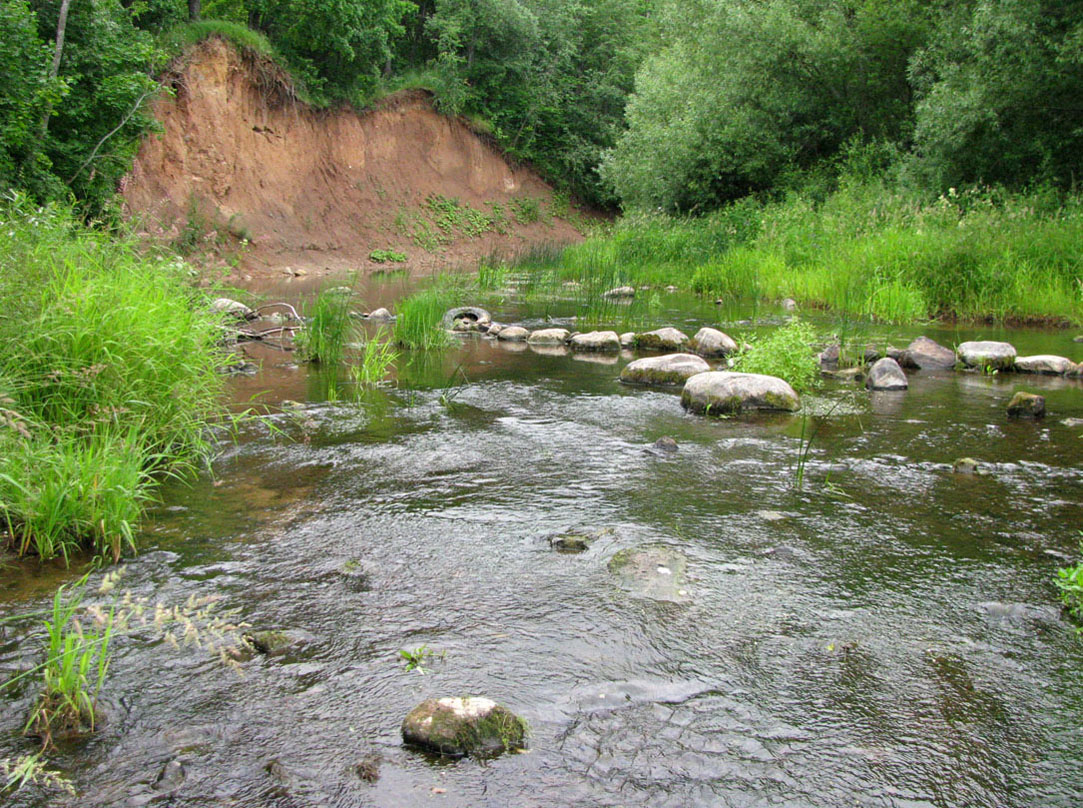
(1070, 583)
(788, 354)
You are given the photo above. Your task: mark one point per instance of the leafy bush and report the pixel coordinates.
(788, 353)
(385, 256)
(1070, 583)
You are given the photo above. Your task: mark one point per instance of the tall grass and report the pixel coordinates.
(374, 362)
(418, 323)
(108, 379)
(867, 250)
(330, 326)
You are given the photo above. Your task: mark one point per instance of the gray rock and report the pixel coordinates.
(492, 329)
(381, 315)
(464, 726)
(854, 374)
(171, 777)
(891, 352)
(628, 339)
(886, 374)
(232, 308)
(721, 392)
(926, 354)
(657, 573)
(513, 333)
(1072, 423)
(1026, 405)
(549, 336)
(595, 341)
(789, 304)
(712, 342)
(670, 369)
(577, 541)
(662, 339)
(986, 354)
(463, 314)
(829, 356)
(619, 292)
(1043, 363)
(277, 642)
(665, 444)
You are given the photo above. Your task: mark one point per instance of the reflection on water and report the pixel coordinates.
(884, 635)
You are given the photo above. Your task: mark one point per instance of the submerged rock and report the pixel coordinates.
(789, 304)
(721, 392)
(662, 339)
(886, 374)
(278, 642)
(986, 354)
(829, 356)
(712, 342)
(926, 354)
(232, 308)
(595, 341)
(171, 777)
(549, 336)
(1026, 405)
(464, 726)
(1043, 363)
(854, 374)
(657, 573)
(619, 292)
(513, 333)
(670, 369)
(665, 444)
(1072, 422)
(381, 315)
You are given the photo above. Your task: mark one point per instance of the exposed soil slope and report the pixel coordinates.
(320, 190)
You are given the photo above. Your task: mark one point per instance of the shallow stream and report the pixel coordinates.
(883, 633)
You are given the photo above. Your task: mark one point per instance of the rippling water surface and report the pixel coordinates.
(885, 635)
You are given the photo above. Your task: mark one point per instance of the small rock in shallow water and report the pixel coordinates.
(662, 339)
(671, 369)
(549, 336)
(789, 304)
(1043, 363)
(926, 354)
(965, 465)
(1026, 405)
(657, 573)
(619, 292)
(712, 342)
(595, 341)
(368, 768)
(513, 333)
(1072, 422)
(987, 354)
(665, 444)
(171, 777)
(724, 392)
(381, 315)
(464, 726)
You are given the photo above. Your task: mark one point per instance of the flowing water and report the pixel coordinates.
(885, 634)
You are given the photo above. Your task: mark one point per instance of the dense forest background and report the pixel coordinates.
(679, 106)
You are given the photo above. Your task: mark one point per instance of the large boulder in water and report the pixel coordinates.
(620, 292)
(232, 308)
(987, 354)
(926, 354)
(668, 369)
(464, 726)
(1043, 363)
(712, 342)
(885, 374)
(595, 341)
(548, 336)
(721, 392)
(662, 339)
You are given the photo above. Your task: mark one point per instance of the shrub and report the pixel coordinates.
(788, 353)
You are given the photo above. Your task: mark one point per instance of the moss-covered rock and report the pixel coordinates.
(724, 392)
(662, 339)
(464, 726)
(671, 369)
(653, 572)
(1026, 405)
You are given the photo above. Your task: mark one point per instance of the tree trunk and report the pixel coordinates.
(194, 9)
(61, 26)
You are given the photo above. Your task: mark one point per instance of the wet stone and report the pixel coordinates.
(381, 315)
(577, 541)
(789, 304)
(368, 768)
(278, 642)
(464, 726)
(671, 369)
(171, 777)
(232, 308)
(886, 374)
(662, 339)
(513, 333)
(965, 465)
(656, 573)
(1072, 423)
(620, 292)
(712, 342)
(665, 444)
(596, 341)
(724, 392)
(1046, 364)
(1026, 405)
(926, 354)
(549, 336)
(987, 354)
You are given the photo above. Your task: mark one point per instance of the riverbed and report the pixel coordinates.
(863, 627)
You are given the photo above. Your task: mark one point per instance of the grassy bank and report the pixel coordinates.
(107, 381)
(865, 251)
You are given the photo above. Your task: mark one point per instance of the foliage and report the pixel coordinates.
(414, 660)
(329, 327)
(788, 353)
(108, 367)
(28, 769)
(375, 360)
(418, 324)
(383, 256)
(76, 662)
(1070, 583)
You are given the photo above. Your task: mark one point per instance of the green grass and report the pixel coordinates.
(418, 324)
(788, 353)
(76, 661)
(329, 328)
(385, 256)
(108, 379)
(374, 362)
(866, 251)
